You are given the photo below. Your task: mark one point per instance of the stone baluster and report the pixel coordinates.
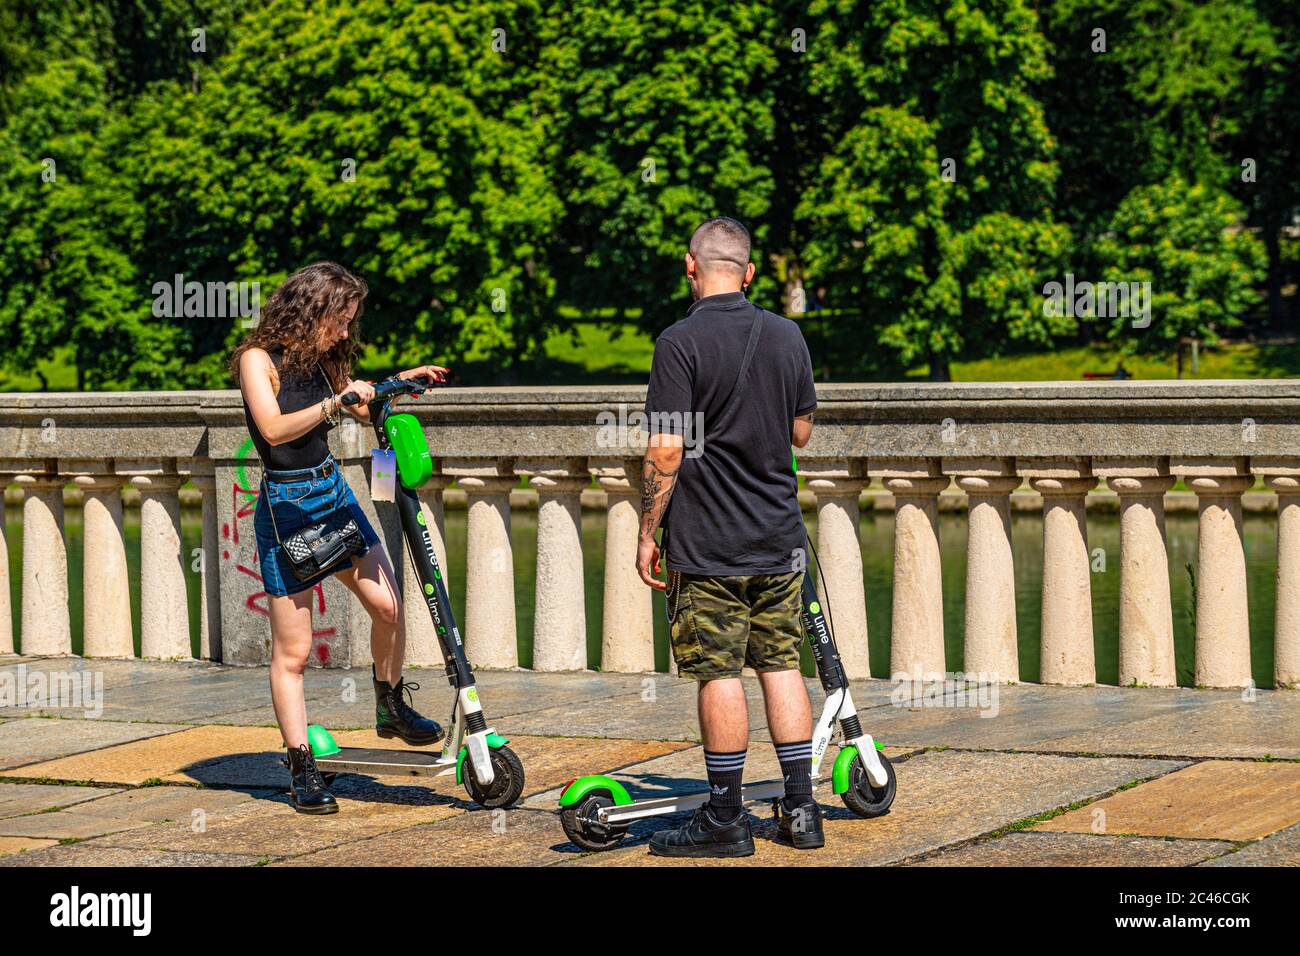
(991, 644)
(1066, 650)
(916, 628)
(6, 609)
(1222, 619)
(46, 626)
(838, 486)
(1146, 622)
(627, 628)
(1283, 476)
(490, 639)
(560, 620)
(105, 587)
(422, 646)
(209, 564)
(164, 608)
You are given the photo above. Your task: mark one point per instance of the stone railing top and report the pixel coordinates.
(1222, 419)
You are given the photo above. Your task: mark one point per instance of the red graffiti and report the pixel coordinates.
(258, 601)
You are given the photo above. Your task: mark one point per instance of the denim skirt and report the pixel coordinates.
(299, 502)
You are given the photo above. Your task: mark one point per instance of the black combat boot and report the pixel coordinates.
(307, 790)
(706, 835)
(799, 823)
(394, 717)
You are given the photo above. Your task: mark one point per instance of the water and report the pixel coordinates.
(877, 559)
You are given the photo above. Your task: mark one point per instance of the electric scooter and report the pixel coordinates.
(597, 810)
(495, 777)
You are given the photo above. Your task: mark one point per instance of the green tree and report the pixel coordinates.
(1187, 241)
(1150, 89)
(928, 210)
(662, 117)
(389, 136)
(1265, 153)
(72, 222)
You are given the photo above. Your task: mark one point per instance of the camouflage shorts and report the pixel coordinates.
(721, 624)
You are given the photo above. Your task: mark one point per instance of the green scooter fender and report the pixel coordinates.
(842, 774)
(577, 790)
(494, 741)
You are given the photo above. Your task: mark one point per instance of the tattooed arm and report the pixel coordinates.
(663, 457)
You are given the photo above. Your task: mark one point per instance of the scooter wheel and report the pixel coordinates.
(865, 799)
(580, 826)
(507, 780)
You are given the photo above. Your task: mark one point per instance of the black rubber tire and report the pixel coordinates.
(586, 836)
(507, 780)
(864, 799)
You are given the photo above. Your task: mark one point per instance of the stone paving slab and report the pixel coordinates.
(1278, 849)
(476, 838)
(92, 853)
(269, 828)
(135, 690)
(225, 756)
(178, 757)
(666, 714)
(1074, 849)
(943, 798)
(1215, 799)
(17, 799)
(665, 710)
(117, 672)
(123, 811)
(17, 845)
(35, 739)
(504, 693)
(201, 696)
(1226, 727)
(683, 772)
(1076, 719)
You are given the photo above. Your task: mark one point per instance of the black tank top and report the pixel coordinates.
(296, 393)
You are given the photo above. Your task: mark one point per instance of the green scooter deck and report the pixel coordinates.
(387, 763)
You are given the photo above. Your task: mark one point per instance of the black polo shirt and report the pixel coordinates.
(735, 509)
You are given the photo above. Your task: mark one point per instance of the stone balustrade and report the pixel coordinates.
(915, 440)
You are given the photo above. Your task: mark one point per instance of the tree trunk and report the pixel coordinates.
(940, 370)
(1271, 229)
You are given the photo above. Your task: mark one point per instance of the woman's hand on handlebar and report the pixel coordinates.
(364, 392)
(435, 372)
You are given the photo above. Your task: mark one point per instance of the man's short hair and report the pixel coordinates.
(721, 243)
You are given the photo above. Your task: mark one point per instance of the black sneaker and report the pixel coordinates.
(799, 823)
(706, 835)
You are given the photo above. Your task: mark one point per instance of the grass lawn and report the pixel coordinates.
(1234, 360)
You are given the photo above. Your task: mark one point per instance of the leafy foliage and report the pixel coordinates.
(1186, 240)
(921, 167)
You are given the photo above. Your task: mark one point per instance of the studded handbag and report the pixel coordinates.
(321, 547)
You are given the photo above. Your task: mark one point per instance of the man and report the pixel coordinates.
(734, 537)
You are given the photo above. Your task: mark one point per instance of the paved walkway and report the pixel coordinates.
(177, 764)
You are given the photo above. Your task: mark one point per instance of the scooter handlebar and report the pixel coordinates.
(392, 386)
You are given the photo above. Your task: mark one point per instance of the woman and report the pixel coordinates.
(293, 371)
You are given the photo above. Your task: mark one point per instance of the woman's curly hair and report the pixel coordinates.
(291, 318)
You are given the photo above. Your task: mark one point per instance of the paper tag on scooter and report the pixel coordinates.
(383, 475)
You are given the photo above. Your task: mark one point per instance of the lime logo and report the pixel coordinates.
(815, 608)
(437, 574)
(428, 589)
(420, 517)
(471, 694)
